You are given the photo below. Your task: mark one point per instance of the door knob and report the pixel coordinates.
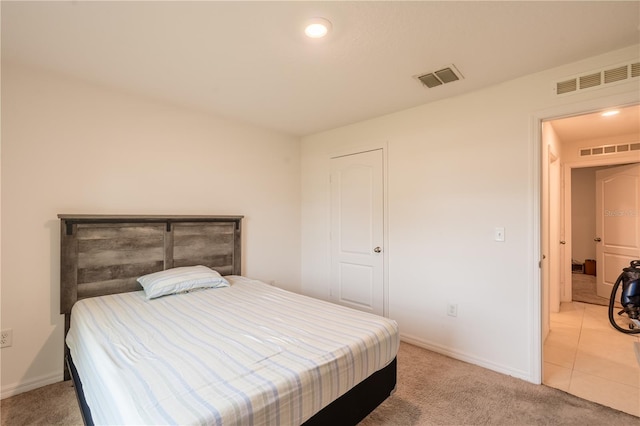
(597, 239)
(563, 242)
(377, 250)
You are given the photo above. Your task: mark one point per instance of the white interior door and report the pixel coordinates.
(617, 223)
(357, 229)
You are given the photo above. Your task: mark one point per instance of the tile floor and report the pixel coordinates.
(585, 356)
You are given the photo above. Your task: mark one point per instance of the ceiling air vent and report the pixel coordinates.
(602, 78)
(440, 77)
(430, 80)
(609, 149)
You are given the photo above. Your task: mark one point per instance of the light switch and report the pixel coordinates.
(498, 234)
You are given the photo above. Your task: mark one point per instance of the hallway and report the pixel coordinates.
(586, 357)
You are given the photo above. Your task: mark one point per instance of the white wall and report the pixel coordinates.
(458, 168)
(70, 147)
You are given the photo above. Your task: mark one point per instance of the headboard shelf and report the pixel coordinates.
(71, 219)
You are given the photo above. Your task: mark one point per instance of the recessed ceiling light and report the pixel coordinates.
(317, 28)
(610, 113)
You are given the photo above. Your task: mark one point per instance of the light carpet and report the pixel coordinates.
(583, 289)
(437, 390)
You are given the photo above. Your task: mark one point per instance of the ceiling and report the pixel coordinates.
(596, 126)
(249, 61)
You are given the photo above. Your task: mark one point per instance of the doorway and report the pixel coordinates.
(580, 141)
(604, 228)
(584, 266)
(571, 361)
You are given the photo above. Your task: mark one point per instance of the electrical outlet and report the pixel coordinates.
(452, 309)
(6, 338)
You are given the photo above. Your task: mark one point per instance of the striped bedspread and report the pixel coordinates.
(249, 354)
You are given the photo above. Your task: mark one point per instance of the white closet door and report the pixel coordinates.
(357, 225)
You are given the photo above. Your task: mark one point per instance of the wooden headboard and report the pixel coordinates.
(105, 254)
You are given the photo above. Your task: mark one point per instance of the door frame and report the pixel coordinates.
(535, 313)
(555, 231)
(566, 268)
(356, 148)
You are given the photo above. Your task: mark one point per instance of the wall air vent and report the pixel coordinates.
(608, 149)
(602, 78)
(567, 86)
(437, 78)
(615, 74)
(591, 80)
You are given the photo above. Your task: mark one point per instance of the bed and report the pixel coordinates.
(244, 352)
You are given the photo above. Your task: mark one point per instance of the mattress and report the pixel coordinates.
(247, 354)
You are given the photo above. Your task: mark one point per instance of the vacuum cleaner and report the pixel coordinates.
(629, 299)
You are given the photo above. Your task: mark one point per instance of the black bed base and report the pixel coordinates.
(348, 410)
(355, 405)
(77, 384)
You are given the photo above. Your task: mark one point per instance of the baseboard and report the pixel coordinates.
(37, 382)
(456, 354)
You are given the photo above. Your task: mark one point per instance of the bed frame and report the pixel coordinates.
(103, 255)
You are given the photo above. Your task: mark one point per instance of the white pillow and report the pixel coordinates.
(178, 280)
